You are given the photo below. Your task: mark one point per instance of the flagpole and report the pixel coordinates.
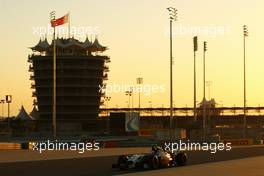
(54, 85)
(54, 125)
(69, 26)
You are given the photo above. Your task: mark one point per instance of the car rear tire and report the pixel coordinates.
(122, 162)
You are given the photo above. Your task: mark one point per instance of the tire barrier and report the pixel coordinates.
(145, 133)
(110, 144)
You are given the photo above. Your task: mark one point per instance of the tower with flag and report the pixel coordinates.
(67, 75)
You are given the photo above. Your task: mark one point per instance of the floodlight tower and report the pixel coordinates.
(172, 17)
(204, 98)
(245, 34)
(195, 49)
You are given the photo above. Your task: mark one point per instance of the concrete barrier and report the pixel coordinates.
(238, 141)
(9, 146)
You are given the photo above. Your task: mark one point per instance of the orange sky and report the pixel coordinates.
(136, 34)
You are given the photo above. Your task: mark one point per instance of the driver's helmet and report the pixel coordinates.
(155, 148)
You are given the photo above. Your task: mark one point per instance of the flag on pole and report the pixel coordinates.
(60, 21)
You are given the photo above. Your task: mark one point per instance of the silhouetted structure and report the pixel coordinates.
(211, 110)
(80, 71)
(23, 115)
(34, 113)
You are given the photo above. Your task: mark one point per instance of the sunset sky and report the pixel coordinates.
(136, 33)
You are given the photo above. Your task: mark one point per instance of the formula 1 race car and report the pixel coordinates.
(158, 158)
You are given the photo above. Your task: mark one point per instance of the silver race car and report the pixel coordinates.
(158, 158)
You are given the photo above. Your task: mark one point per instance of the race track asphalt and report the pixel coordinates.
(101, 165)
(252, 166)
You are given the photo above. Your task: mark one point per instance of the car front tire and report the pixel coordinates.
(181, 159)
